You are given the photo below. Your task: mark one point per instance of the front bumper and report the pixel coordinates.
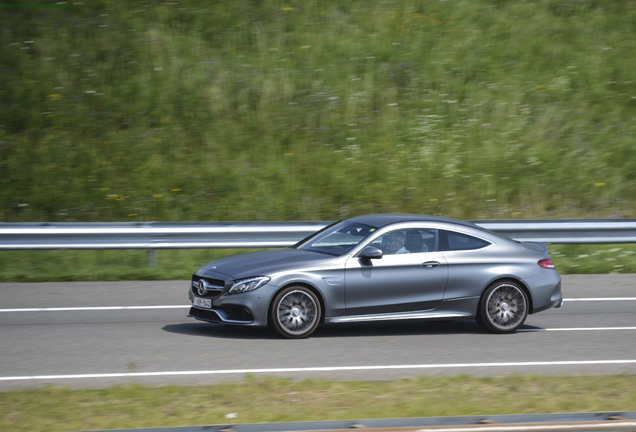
(235, 315)
(216, 306)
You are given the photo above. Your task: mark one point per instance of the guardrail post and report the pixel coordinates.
(152, 257)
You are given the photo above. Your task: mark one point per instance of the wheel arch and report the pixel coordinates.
(298, 284)
(514, 280)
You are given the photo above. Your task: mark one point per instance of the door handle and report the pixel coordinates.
(430, 264)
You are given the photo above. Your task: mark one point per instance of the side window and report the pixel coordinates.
(453, 241)
(408, 240)
(420, 240)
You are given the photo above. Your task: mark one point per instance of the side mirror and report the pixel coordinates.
(370, 252)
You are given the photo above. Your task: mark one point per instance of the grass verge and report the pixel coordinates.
(178, 264)
(269, 399)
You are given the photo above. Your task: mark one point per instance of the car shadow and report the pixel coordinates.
(349, 330)
(530, 329)
(220, 331)
(412, 328)
(398, 328)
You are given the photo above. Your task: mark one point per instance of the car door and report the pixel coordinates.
(395, 283)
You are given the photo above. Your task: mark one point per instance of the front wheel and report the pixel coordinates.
(503, 307)
(295, 312)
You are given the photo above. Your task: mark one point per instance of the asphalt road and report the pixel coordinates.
(96, 334)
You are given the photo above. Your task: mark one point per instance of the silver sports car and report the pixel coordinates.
(378, 268)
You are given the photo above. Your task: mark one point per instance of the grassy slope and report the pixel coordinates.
(315, 110)
(281, 400)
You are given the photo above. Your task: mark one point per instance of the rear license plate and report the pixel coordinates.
(202, 302)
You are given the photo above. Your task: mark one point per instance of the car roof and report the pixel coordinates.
(380, 220)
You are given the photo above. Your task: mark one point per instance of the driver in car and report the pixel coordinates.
(393, 243)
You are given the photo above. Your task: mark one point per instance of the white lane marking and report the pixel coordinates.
(106, 308)
(94, 308)
(527, 330)
(111, 308)
(600, 299)
(318, 369)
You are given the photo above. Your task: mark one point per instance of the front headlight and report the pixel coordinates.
(249, 284)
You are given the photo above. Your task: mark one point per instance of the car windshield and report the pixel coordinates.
(337, 239)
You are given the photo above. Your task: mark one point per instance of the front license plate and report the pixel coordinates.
(202, 302)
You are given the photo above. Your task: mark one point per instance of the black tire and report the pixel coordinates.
(503, 307)
(295, 312)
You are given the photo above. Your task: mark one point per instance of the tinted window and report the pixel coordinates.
(453, 241)
(411, 240)
(420, 240)
(337, 239)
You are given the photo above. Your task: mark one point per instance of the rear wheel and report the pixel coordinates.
(295, 312)
(503, 307)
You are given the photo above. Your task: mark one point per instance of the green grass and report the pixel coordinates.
(105, 265)
(316, 110)
(281, 400)
(178, 264)
(594, 259)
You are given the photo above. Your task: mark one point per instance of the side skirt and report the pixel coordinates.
(398, 316)
(450, 309)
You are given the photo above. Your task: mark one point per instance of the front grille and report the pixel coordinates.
(214, 287)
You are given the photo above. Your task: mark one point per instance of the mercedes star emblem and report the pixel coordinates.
(201, 287)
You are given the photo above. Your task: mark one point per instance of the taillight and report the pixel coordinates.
(546, 263)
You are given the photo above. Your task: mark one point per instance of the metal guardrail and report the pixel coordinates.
(194, 235)
(567, 231)
(154, 235)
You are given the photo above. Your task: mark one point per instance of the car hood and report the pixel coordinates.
(263, 263)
